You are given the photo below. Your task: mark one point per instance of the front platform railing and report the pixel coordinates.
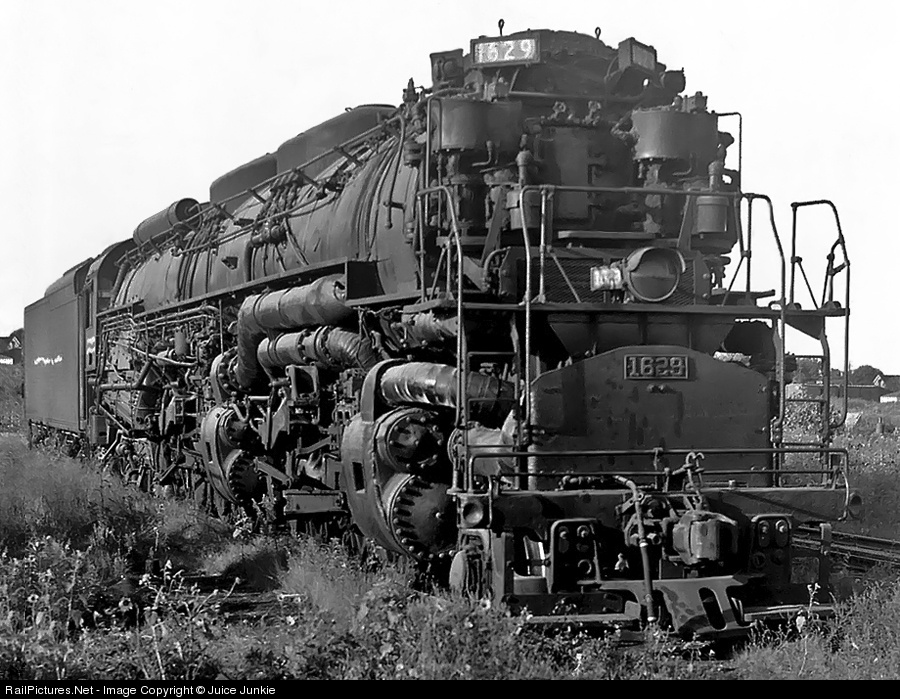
(784, 311)
(832, 475)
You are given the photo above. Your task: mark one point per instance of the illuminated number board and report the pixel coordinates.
(647, 366)
(490, 51)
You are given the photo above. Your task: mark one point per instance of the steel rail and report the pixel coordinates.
(858, 550)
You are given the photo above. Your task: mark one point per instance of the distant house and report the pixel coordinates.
(891, 397)
(11, 348)
(891, 382)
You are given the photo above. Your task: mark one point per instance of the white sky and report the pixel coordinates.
(111, 110)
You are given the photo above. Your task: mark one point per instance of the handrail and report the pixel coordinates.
(500, 451)
(526, 243)
(462, 375)
(825, 429)
(547, 193)
(778, 422)
(828, 295)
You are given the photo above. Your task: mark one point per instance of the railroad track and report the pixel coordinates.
(855, 550)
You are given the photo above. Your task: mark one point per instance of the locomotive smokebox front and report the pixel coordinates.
(645, 397)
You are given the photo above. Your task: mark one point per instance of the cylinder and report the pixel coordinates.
(666, 134)
(182, 212)
(712, 214)
(463, 124)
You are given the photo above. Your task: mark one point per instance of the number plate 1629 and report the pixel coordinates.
(646, 366)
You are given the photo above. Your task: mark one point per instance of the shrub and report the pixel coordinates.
(862, 642)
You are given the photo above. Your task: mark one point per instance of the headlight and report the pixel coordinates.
(652, 274)
(782, 533)
(854, 506)
(473, 513)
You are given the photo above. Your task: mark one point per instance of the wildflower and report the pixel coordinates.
(579, 664)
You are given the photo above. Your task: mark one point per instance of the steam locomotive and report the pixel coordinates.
(496, 330)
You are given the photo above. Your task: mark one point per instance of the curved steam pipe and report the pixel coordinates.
(319, 303)
(490, 399)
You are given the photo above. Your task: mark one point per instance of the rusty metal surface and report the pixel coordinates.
(590, 405)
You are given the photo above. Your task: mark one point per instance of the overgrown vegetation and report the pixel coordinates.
(72, 605)
(75, 602)
(862, 643)
(11, 397)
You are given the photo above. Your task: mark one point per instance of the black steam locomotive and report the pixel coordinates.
(491, 328)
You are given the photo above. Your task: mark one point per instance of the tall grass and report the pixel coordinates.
(875, 474)
(44, 494)
(863, 642)
(11, 397)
